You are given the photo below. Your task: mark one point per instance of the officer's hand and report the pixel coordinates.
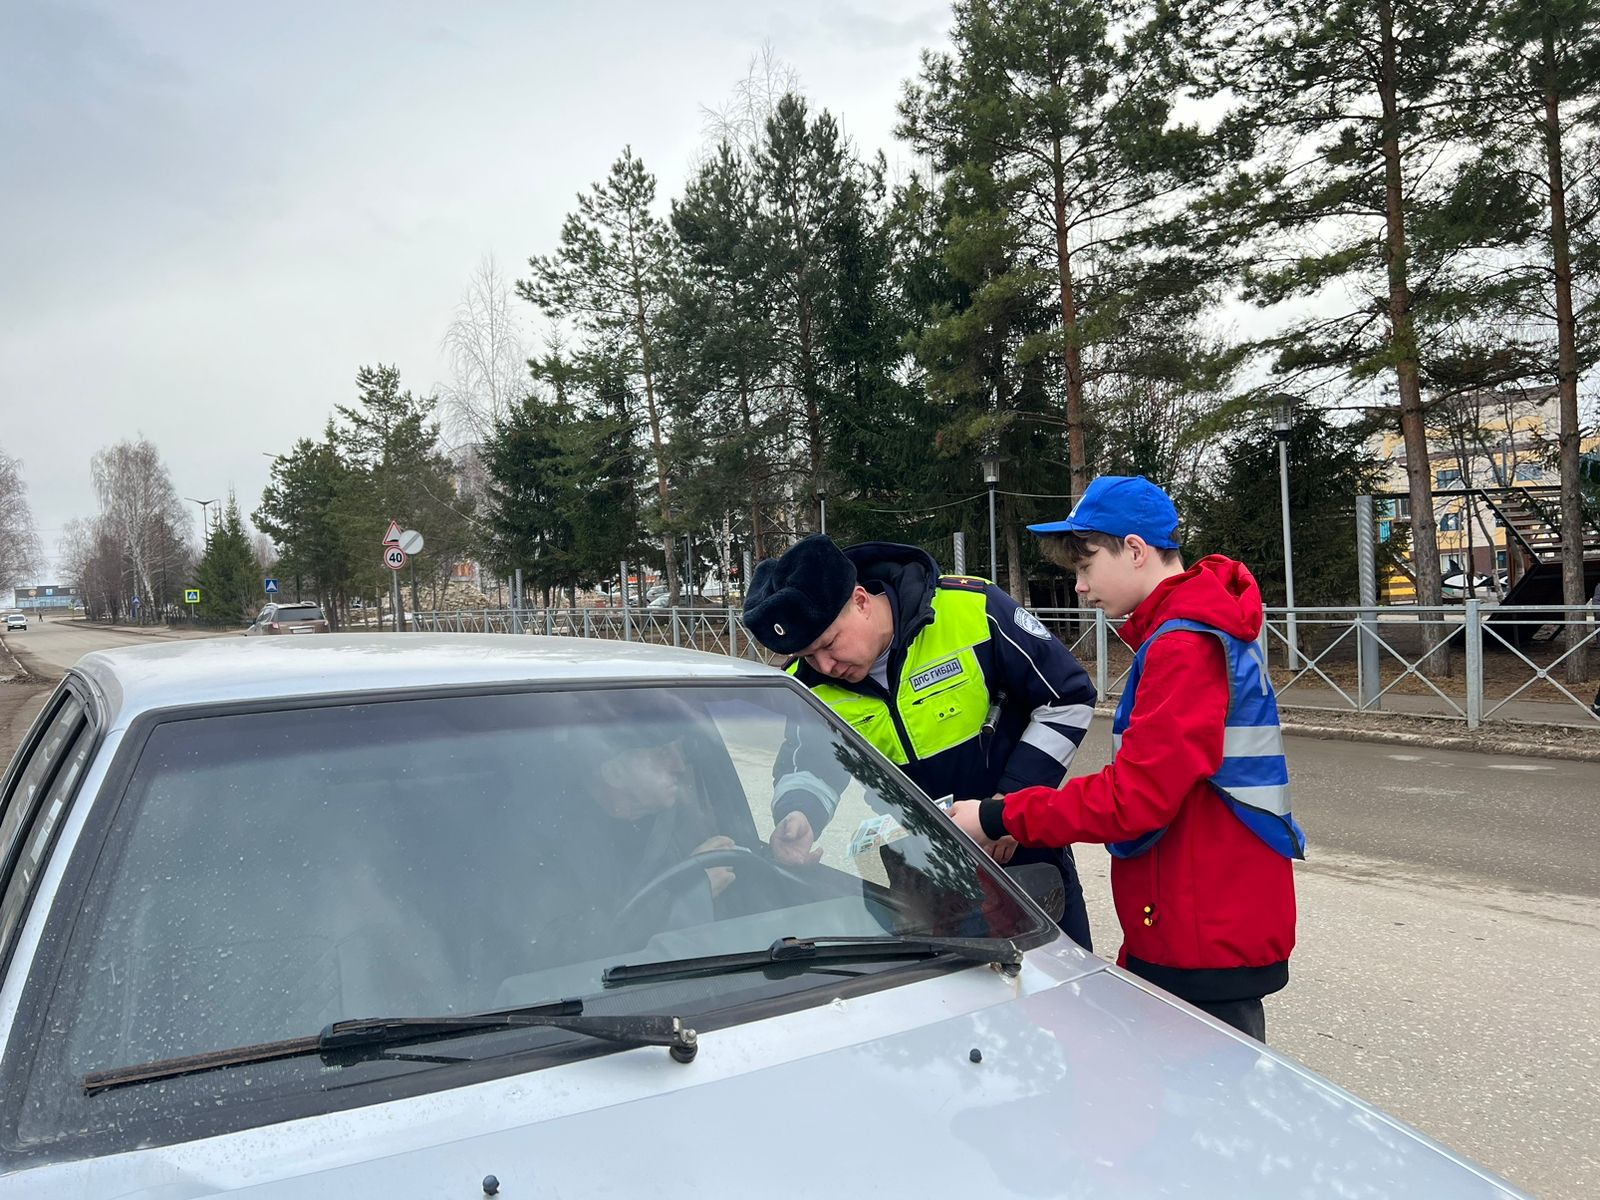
(792, 840)
(720, 877)
(1002, 850)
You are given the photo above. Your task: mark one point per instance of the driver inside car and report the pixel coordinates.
(636, 805)
(656, 816)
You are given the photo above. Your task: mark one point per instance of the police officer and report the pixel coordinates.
(877, 632)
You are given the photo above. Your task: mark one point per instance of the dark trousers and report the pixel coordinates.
(1247, 1016)
(1075, 916)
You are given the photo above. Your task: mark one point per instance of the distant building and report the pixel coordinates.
(1496, 486)
(47, 595)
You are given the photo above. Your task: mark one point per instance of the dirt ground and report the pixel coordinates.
(19, 704)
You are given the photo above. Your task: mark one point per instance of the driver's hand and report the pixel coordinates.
(792, 840)
(720, 877)
(1002, 850)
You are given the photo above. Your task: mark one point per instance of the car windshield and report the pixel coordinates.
(269, 873)
(299, 612)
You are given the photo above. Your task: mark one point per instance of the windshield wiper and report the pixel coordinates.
(813, 952)
(374, 1033)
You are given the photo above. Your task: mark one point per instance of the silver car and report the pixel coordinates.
(461, 915)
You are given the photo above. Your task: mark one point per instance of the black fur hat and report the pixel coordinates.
(793, 599)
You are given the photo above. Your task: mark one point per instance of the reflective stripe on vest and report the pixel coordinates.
(1253, 778)
(942, 697)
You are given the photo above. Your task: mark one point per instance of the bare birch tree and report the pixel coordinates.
(741, 120)
(487, 354)
(142, 511)
(20, 552)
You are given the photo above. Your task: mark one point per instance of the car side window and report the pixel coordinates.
(35, 807)
(43, 756)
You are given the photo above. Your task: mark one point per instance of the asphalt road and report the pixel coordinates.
(45, 651)
(1448, 966)
(56, 645)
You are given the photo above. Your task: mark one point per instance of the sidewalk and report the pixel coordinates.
(163, 632)
(1531, 712)
(1525, 729)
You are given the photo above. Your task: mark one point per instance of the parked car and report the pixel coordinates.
(289, 618)
(16, 620)
(685, 600)
(1454, 586)
(390, 915)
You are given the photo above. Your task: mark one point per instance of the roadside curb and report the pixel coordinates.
(150, 631)
(1476, 745)
(1486, 743)
(19, 673)
(157, 633)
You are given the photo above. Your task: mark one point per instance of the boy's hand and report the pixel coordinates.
(965, 814)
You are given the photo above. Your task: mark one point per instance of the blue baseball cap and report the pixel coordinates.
(1121, 505)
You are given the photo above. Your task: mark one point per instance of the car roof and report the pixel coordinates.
(201, 671)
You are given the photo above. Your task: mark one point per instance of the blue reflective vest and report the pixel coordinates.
(1253, 779)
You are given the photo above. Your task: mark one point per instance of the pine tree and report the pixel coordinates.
(227, 576)
(1068, 106)
(611, 273)
(527, 526)
(720, 351)
(396, 470)
(808, 190)
(991, 396)
(299, 510)
(1539, 91)
(1350, 192)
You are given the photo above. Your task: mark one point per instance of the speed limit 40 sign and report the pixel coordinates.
(394, 558)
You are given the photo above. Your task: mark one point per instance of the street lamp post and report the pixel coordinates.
(1282, 427)
(205, 523)
(991, 477)
(822, 511)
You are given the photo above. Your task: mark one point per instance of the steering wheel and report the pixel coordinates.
(681, 875)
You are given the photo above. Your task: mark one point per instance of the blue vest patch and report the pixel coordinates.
(1253, 779)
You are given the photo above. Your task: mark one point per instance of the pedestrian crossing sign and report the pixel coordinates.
(191, 595)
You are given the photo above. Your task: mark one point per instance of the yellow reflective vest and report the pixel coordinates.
(941, 698)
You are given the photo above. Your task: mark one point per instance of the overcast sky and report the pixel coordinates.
(212, 214)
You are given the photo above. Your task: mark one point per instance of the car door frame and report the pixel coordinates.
(73, 688)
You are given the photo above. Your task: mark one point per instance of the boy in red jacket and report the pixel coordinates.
(1194, 806)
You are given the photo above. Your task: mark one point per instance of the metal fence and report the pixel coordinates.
(714, 630)
(1453, 662)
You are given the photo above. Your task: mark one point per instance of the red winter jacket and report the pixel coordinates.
(1209, 911)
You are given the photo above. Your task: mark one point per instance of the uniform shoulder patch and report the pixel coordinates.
(1028, 622)
(965, 583)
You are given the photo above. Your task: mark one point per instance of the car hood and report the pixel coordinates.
(1092, 1085)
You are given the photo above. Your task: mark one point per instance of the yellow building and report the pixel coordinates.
(1496, 488)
